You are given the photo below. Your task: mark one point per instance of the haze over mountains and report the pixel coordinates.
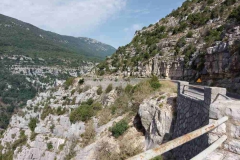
(32, 60)
(17, 37)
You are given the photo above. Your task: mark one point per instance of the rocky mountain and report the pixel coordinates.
(19, 38)
(90, 119)
(200, 39)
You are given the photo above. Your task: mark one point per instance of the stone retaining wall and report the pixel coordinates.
(192, 114)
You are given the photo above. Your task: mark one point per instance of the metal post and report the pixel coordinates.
(210, 149)
(178, 141)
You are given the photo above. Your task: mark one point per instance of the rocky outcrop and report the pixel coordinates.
(179, 48)
(219, 66)
(157, 119)
(229, 108)
(42, 75)
(222, 155)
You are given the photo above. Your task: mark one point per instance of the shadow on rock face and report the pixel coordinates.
(138, 124)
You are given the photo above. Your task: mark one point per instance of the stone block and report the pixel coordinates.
(233, 110)
(235, 131)
(211, 94)
(233, 145)
(220, 130)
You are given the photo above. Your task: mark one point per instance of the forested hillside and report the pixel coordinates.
(19, 38)
(15, 90)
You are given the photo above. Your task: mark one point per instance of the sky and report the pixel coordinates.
(113, 22)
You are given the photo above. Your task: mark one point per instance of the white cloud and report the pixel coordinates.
(134, 27)
(70, 17)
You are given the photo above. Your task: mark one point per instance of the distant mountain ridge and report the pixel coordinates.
(17, 37)
(33, 60)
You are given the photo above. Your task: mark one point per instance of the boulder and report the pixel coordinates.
(156, 118)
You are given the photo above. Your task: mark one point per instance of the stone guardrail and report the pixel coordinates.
(192, 114)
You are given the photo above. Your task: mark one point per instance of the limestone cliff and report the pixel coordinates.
(200, 39)
(52, 125)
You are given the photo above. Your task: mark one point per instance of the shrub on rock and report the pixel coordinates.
(109, 88)
(32, 124)
(99, 90)
(119, 128)
(82, 113)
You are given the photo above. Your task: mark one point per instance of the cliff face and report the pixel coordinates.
(48, 128)
(198, 40)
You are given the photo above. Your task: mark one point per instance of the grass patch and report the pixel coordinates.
(33, 136)
(142, 91)
(104, 116)
(129, 89)
(21, 141)
(99, 90)
(32, 124)
(127, 149)
(73, 91)
(69, 82)
(161, 105)
(61, 147)
(89, 135)
(103, 152)
(168, 87)
(60, 111)
(46, 111)
(71, 150)
(7, 156)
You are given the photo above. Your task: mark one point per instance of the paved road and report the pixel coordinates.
(198, 91)
(192, 90)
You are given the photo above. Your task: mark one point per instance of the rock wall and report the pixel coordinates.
(157, 121)
(192, 114)
(218, 65)
(231, 128)
(195, 109)
(158, 66)
(56, 129)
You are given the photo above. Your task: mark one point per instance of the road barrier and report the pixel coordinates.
(149, 154)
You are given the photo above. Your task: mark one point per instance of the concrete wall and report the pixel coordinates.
(193, 113)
